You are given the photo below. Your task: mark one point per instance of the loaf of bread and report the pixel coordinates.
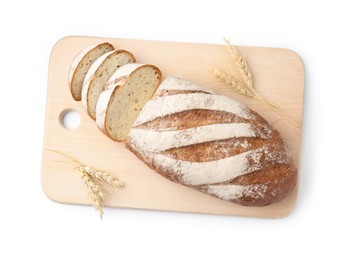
(80, 65)
(213, 144)
(98, 74)
(125, 94)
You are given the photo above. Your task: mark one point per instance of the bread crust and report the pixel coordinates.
(272, 177)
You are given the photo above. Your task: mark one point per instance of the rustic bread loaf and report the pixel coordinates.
(98, 75)
(213, 144)
(125, 94)
(81, 64)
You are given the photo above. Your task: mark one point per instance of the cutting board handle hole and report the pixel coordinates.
(70, 119)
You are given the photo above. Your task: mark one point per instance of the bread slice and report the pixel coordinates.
(98, 75)
(81, 64)
(125, 94)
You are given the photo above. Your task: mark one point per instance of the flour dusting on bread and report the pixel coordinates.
(166, 105)
(212, 143)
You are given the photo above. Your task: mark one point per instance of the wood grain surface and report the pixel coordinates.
(278, 76)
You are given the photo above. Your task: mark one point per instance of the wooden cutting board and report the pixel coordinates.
(278, 76)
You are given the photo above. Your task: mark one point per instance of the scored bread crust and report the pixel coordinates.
(91, 74)
(117, 81)
(76, 63)
(213, 144)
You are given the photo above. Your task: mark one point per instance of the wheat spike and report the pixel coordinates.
(241, 63)
(95, 192)
(86, 173)
(245, 88)
(232, 83)
(104, 177)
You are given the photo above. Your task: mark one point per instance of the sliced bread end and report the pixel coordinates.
(81, 64)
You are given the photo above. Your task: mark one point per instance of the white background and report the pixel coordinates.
(32, 226)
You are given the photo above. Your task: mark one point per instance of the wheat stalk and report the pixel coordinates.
(245, 72)
(238, 86)
(246, 88)
(275, 110)
(88, 174)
